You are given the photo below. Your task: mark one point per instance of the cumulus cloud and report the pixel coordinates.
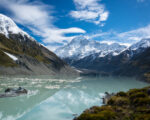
(38, 17)
(128, 37)
(90, 11)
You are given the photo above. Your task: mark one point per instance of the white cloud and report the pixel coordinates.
(137, 34)
(128, 37)
(28, 13)
(84, 14)
(104, 16)
(39, 19)
(54, 34)
(90, 11)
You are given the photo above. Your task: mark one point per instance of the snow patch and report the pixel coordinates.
(79, 71)
(11, 56)
(115, 54)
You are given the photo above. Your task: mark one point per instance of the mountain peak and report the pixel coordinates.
(79, 40)
(144, 43)
(81, 47)
(8, 26)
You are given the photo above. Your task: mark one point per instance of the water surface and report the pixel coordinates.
(57, 98)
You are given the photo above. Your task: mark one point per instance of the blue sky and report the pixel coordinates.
(56, 22)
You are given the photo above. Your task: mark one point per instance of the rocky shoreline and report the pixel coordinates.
(131, 105)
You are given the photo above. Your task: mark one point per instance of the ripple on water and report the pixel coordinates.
(32, 92)
(52, 87)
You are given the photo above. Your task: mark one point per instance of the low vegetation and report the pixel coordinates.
(4, 58)
(19, 47)
(132, 105)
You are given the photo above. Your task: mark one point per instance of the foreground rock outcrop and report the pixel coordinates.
(131, 105)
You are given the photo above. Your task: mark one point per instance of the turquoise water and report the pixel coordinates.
(56, 98)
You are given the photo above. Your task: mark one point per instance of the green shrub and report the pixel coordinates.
(143, 109)
(103, 115)
(141, 101)
(6, 60)
(138, 95)
(121, 94)
(133, 105)
(142, 116)
(118, 101)
(134, 91)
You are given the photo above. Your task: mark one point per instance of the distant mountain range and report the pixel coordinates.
(21, 54)
(112, 59)
(80, 47)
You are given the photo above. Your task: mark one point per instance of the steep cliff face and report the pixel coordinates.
(21, 54)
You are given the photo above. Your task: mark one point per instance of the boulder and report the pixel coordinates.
(107, 97)
(13, 92)
(19, 90)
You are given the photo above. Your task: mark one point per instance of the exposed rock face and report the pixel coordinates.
(21, 54)
(107, 97)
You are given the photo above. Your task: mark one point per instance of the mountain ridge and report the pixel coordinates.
(81, 47)
(127, 62)
(32, 57)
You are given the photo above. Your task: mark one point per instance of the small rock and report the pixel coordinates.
(107, 97)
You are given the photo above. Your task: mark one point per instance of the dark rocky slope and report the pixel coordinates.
(129, 63)
(138, 66)
(33, 58)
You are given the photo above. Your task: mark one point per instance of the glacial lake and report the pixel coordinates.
(58, 98)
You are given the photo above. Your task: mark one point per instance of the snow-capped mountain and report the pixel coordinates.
(140, 46)
(8, 26)
(81, 47)
(103, 58)
(21, 54)
(137, 48)
(144, 43)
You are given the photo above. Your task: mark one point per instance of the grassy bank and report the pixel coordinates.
(131, 105)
